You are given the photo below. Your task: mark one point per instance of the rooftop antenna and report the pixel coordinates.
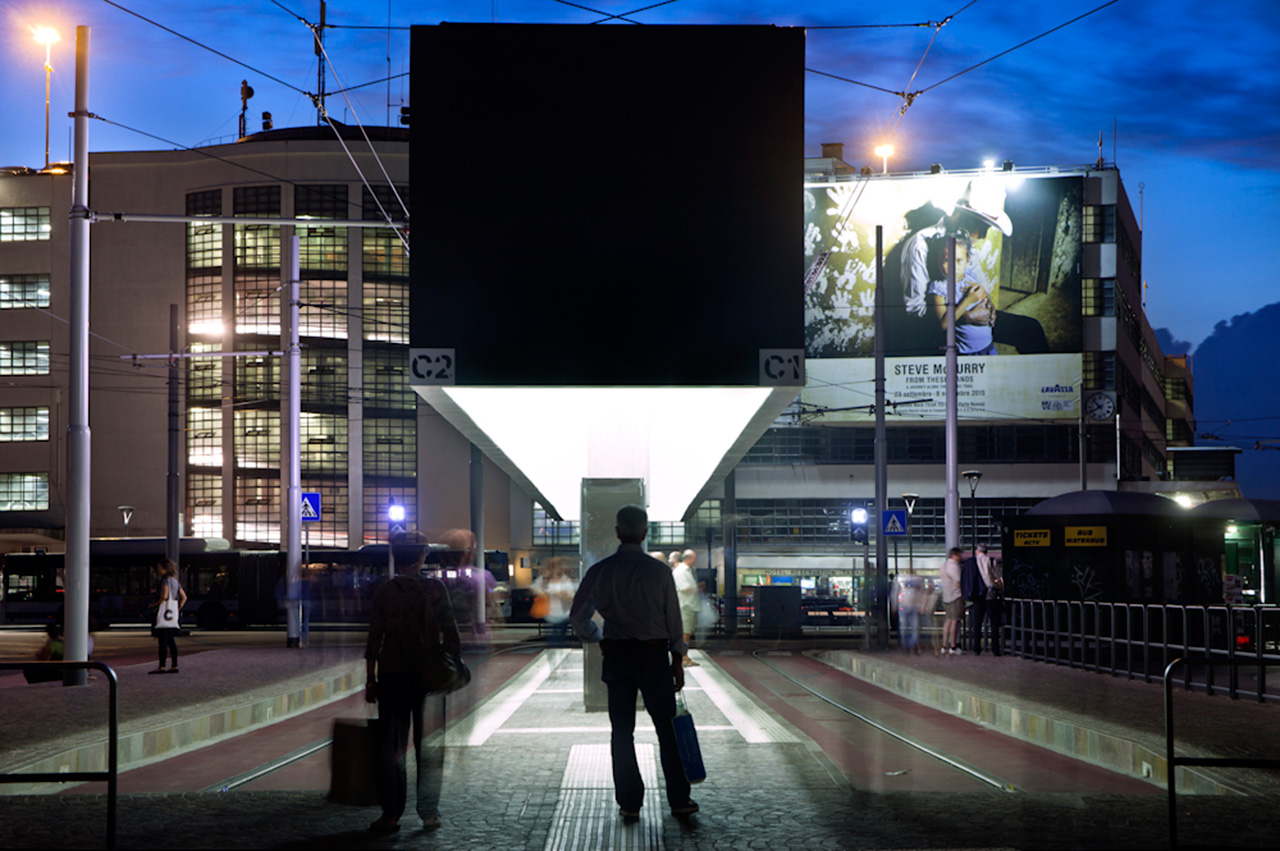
(246, 92)
(1099, 164)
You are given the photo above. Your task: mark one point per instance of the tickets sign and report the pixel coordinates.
(1031, 537)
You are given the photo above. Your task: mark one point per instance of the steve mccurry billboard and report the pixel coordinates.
(1017, 298)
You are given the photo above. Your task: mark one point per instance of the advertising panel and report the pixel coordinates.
(1017, 297)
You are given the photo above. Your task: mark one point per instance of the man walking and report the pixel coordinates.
(643, 648)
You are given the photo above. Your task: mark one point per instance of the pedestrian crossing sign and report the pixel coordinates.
(310, 507)
(895, 522)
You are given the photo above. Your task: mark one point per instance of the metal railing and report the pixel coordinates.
(113, 735)
(1172, 761)
(1140, 640)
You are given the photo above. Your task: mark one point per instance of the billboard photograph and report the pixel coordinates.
(1016, 299)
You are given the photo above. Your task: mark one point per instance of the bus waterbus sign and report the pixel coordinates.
(310, 507)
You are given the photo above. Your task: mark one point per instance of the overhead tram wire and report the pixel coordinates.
(205, 47)
(618, 17)
(324, 55)
(290, 86)
(1018, 46)
(389, 182)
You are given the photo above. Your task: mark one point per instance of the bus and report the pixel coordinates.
(225, 587)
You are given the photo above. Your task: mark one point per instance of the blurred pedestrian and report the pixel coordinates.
(558, 587)
(953, 601)
(687, 591)
(643, 653)
(910, 600)
(411, 623)
(170, 598)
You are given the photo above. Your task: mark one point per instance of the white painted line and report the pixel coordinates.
(476, 728)
(756, 724)
(640, 730)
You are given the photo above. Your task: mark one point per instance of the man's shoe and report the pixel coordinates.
(629, 816)
(688, 808)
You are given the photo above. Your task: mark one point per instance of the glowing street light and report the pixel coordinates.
(884, 152)
(46, 36)
(395, 516)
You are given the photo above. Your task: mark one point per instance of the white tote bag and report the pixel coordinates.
(167, 615)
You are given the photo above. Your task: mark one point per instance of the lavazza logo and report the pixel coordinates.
(1058, 404)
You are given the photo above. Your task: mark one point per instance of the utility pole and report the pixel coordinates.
(952, 506)
(881, 456)
(173, 489)
(293, 492)
(76, 603)
(320, 75)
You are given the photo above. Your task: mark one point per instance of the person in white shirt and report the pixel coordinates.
(953, 602)
(643, 645)
(687, 591)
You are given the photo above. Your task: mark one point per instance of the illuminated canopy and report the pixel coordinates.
(681, 440)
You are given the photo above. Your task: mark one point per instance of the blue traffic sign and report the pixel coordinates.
(894, 522)
(310, 507)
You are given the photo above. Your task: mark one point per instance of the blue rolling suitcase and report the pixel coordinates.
(687, 742)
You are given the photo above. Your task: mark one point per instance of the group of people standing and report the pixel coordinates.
(974, 585)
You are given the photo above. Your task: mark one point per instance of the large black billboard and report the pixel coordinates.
(606, 205)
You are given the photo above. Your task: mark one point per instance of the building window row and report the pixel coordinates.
(1098, 297)
(24, 491)
(19, 291)
(825, 522)
(24, 224)
(24, 357)
(1098, 223)
(24, 425)
(979, 444)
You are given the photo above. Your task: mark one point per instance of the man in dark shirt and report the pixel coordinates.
(410, 618)
(643, 648)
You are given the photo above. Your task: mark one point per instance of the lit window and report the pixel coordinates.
(24, 224)
(18, 291)
(24, 491)
(20, 425)
(24, 358)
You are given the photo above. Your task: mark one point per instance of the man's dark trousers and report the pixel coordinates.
(638, 666)
(992, 610)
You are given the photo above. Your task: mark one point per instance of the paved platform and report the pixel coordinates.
(528, 769)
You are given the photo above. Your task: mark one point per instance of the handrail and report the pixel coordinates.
(111, 775)
(1172, 761)
(1138, 639)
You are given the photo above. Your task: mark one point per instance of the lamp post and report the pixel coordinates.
(395, 514)
(910, 500)
(884, 152)
(46, 36)
(972, 477)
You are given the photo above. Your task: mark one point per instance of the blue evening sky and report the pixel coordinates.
(1193, 89)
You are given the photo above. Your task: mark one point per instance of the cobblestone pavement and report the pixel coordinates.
(505, 795)
(518, 818)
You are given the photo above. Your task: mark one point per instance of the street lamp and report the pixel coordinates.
(46, 36)
(910, 500)
(972, 477)
(395, 514)
(884, 152)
